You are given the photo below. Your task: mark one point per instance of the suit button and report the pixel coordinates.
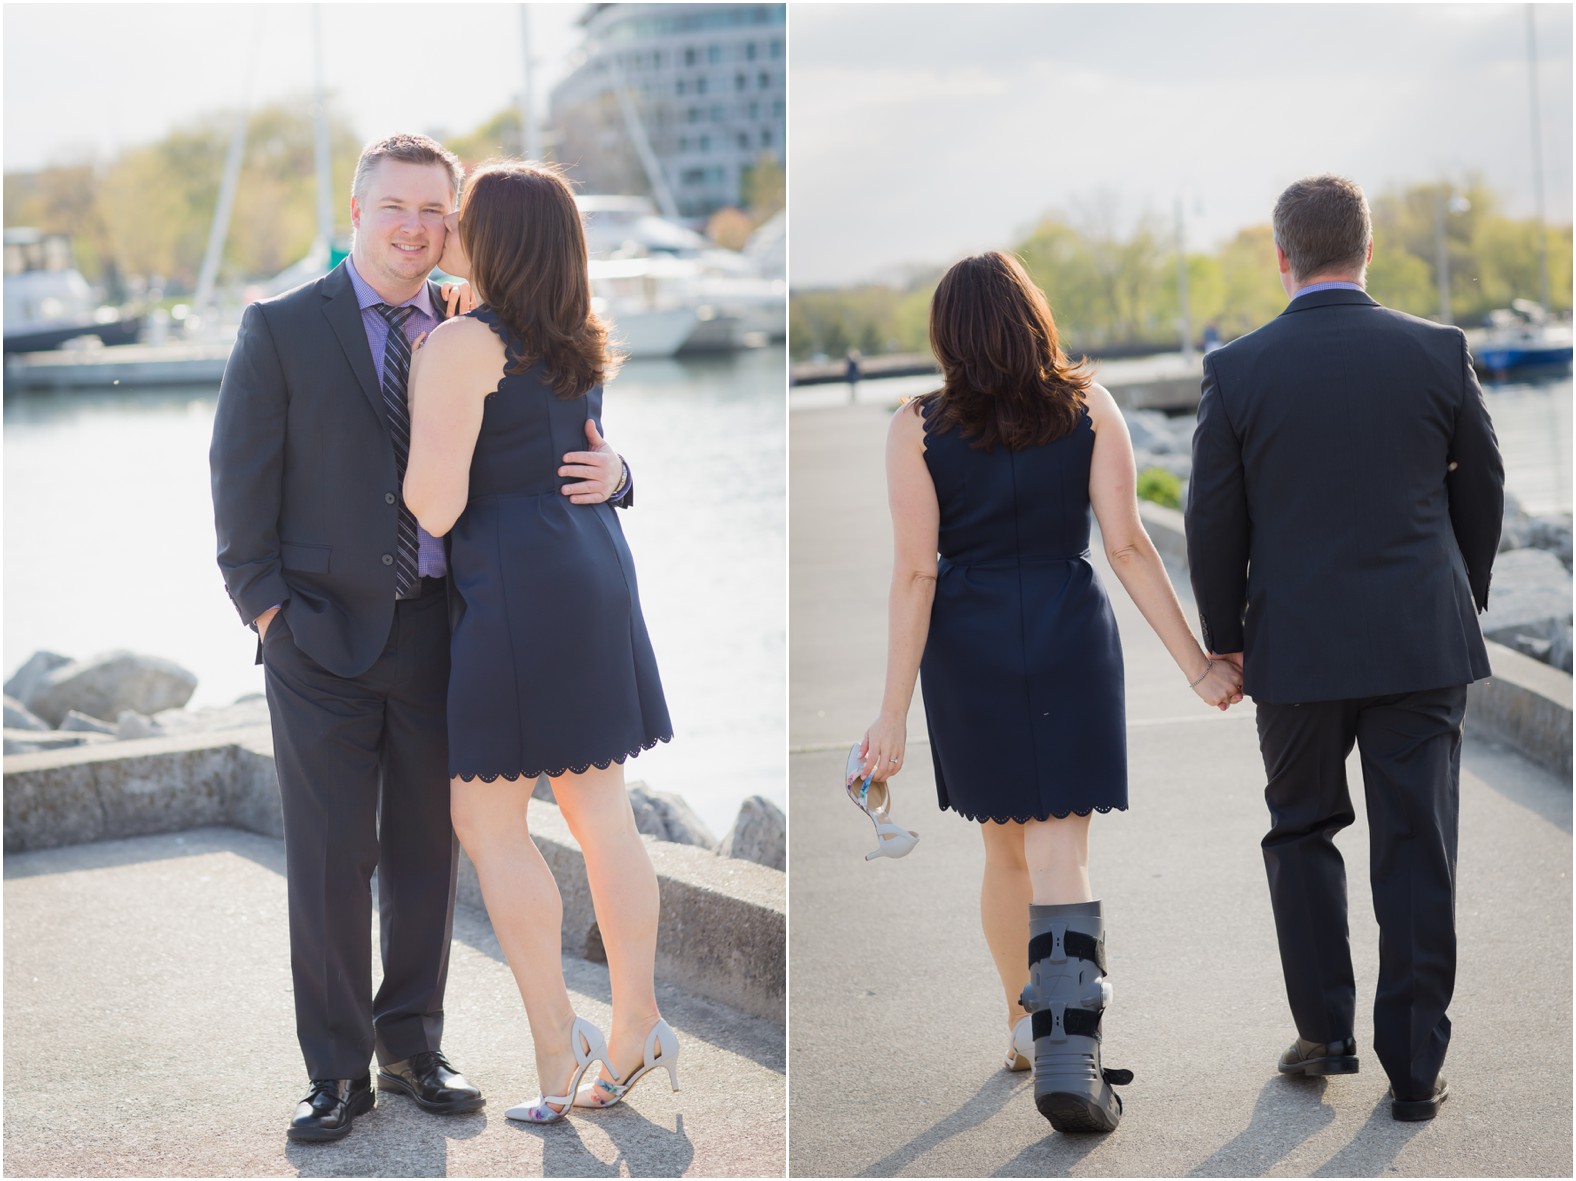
(388, 498)
(388, 559)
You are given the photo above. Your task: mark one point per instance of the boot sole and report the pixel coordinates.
(1321, 1066)
(1070, 1113)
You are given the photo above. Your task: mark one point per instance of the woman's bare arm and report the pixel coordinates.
(459, 364)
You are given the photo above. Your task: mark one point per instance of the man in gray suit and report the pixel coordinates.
(348, 597)
(1342, 520)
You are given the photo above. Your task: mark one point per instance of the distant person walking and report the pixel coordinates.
(1001, 472)
(851, 374)
(1342, 520)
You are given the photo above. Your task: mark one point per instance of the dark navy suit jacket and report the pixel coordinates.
(1345, 504)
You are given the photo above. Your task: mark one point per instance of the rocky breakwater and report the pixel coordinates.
(54, 702)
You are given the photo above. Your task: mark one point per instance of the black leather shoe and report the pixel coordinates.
(1319, 1058)
(1413, 1110)
(330, 1107)
(428, 1078)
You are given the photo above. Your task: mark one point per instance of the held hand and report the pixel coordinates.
(883, 747)
(264, 620)
(597, 471)
(1222, 685)
(458, 298)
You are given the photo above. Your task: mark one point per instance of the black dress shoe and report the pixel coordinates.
(1413, 1110)
(428, 1078)
(330, 1107)
(1319, 1058)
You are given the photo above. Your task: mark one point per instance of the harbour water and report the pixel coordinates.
(1531, 419)
(109, 543)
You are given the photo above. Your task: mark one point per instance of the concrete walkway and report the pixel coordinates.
(896, 1029)
(149, 1032)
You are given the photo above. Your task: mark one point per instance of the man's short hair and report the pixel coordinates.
(412, 149)
(1322, 224)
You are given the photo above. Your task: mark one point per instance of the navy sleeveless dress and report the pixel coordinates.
(552, 670)
(1022, 673)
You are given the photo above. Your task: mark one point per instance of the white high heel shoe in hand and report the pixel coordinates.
(875, 801)
(589, 1046)
(661, 1049)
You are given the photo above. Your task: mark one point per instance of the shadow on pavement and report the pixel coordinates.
(393, 1139)
(998, 1090)
(1290, 1110)
(1513, 777)
(1378, 1142)
(645, 1149)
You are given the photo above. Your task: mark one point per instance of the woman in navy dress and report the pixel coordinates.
(1012, 633)
(551, 671)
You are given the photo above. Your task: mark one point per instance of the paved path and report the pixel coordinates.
(895, 1025)
(149, 1032)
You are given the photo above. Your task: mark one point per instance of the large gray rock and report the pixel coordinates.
(668, 818)
(19, 717)
(1515, 531)
(1552, 534)
(1530, 596)
(28, 678)
(130, 724)
(106, 684)
(82, 724)
(1152, 432)
(1559, 654)
(245, 713)
(759, 834)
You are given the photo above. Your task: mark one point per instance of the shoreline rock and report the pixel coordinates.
(121, 697)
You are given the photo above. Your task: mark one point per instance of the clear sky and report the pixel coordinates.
(919, 133)
(83, 81)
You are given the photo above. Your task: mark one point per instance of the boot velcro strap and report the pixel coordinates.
(1075, 1022)
(1117, 1078)
(1074, 943)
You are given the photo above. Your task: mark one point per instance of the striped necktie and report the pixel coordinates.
(396, 373)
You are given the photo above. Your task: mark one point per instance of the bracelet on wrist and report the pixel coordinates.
(1196, 681)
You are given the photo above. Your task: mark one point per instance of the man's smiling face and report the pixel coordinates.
(399, 225)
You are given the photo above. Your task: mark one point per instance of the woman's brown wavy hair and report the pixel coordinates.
(527, 248)
(1005, 377)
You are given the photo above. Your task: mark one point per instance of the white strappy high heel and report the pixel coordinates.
(875, 801)
(661, 1049)
(589, 1046)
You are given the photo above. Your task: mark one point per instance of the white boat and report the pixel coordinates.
(738, 301)
(1521, 337)
(48, 302)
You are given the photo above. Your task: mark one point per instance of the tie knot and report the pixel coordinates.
(395, 316)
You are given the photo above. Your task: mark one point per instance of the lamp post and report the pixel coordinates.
(1456, 204)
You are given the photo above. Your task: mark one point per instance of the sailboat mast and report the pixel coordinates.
(530, 133)
(325, 175)
(1537, 154)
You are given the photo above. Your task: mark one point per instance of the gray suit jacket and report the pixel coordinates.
(1345, 503)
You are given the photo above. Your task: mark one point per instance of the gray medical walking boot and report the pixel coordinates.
(1066, 994)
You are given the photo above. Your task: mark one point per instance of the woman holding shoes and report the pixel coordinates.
(998, 473)
(552, 671)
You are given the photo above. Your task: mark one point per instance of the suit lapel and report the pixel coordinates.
(344, 317)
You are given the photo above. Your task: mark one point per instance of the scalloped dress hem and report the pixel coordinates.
(982, 818)
(600, 764)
